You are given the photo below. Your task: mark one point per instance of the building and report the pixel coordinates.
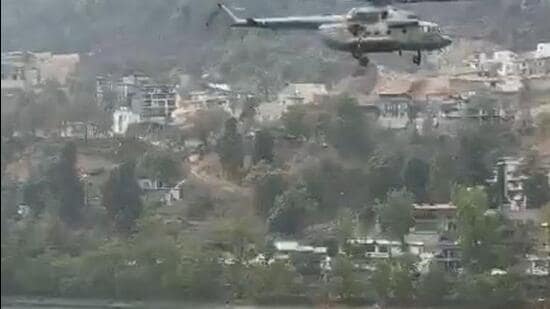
(78, 129)
(24, 70)
(147, 184)
(394, 110)
(271, 111)
(206, 99)
(507, 63)
(509, 181)
(122, 118)
(175, 193)
(543, 50)
(380, 248)
(302, 93)
(154, 103)
(434, 218)
(448, 255)
(113, 93)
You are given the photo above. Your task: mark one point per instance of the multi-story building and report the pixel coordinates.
(510, 181)
(507, 63)
(154, 103)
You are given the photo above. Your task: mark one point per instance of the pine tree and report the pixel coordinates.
(121, 197)
(231, 149)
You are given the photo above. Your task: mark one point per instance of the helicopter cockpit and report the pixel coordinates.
(430, 27)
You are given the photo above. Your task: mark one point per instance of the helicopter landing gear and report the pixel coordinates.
(417, 59)
(363, 60)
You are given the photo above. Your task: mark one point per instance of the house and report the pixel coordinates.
(448, 255)
(206, 99)
(147, 184)
(289, 246)
(78, 129)
(271, 111)
(380, 248)
(23, 210)
(434, 218)
(394, 110)
(23, 70)
(302, 93)
(509, 181)
(175, 193)
(154, 103)
(122, 118)
(537, 265)
(19, 71)
(507, 63)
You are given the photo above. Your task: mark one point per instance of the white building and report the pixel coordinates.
(507, 63)
(511, 181)
(383, 248)
(175, 193)
(543, 50)
(122, 118)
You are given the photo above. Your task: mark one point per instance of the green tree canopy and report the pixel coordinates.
(396, 214)
(291, 210)
(121, 197)
(230, 149)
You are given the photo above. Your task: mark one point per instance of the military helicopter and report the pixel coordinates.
(378, 28)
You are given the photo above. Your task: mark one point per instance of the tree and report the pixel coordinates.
(489, 290)
(434, 286)
(160, 166)
(345, 281)
(396, 214)
(384, 168)
(266, 188)
(403, 272)
(416, 177)
(295, 123)
(207, 122)
(441, 177)
(335, 186)
(66, 186)
(290, 211)
(121, 197)
(263, 146)
(349, 133)
(481, 233)
(231, 150)
(537, 189)
(543, 125)
(381, 279)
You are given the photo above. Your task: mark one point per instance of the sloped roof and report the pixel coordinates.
(433, 86)
(392, 85)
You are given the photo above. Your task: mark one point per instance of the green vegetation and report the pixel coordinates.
(323, 174)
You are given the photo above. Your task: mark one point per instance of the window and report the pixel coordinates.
(383, 249)
(388, 32)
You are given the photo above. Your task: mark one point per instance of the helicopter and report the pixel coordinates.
(377, 28)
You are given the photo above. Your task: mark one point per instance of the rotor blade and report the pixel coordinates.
(388, 2)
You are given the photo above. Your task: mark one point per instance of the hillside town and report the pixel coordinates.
(389, 187)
